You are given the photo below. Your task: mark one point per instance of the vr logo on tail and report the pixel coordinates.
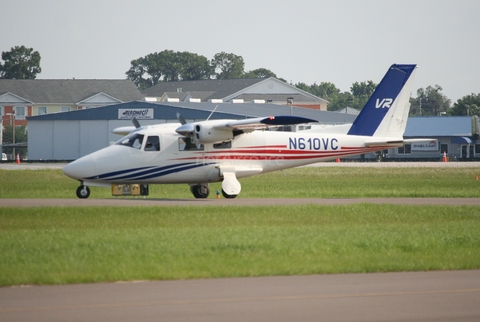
(384, 103)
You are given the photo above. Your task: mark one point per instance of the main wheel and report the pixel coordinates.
(83, 192)
(200, 191)
(225, 195)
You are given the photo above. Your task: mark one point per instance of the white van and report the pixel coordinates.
(4, 157)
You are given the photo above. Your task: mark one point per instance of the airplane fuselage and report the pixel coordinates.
(225, 150)
(248, 154)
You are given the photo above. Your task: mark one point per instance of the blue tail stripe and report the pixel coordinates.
(377, 106)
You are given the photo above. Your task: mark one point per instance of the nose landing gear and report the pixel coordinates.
(83, 192)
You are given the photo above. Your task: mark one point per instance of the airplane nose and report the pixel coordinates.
(80, 169)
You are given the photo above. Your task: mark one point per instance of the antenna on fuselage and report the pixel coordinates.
(212, 113)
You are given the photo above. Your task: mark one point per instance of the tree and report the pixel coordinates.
(325, 90)
(228, 66)
(21, 136)
(342, 100)
(20, 63)
(168, 66)
(467, 105)
(260, 73)
(361, 93)
(430, 101)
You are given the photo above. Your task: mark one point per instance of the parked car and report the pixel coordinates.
(4, 157)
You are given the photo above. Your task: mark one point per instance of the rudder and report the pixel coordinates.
(386, 110)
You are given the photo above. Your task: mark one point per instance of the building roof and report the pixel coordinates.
(418, 126)
(228, 89)
(69, 91)
(349, 110)
(198, 111)
(220, 87)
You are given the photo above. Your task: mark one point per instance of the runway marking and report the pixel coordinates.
(231, 300)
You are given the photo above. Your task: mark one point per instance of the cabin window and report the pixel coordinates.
(223, 145)
(153, 143)
(186, 144)
(133, 140)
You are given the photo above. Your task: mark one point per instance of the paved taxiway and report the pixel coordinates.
(411, 296)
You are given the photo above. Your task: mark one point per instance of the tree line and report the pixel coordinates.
(168, 65)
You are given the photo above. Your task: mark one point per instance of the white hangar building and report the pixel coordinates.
(70, 135)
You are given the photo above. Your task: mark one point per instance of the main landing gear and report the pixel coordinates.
(200, 191)
(83, 192)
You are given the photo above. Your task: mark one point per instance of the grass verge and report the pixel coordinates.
(308, 182)
(56, 245)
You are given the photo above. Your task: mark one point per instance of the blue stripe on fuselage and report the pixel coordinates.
(150, 172)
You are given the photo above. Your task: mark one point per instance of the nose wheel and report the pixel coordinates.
(83, 192)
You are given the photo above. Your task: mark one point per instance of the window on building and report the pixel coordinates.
(406, 149)
(477, 148)
(42, 110)
(444, 148)
(65, 109)
(19, 112)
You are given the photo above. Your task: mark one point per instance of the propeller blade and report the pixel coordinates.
(136, 123)
(181, 119)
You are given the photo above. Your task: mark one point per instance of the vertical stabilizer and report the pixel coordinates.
(386, 112)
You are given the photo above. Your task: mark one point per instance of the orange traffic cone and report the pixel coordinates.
(444, 156)
(337, 160)
(17, 161)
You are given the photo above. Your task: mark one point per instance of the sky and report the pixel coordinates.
(336, 41)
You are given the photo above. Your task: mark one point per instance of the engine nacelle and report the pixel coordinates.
(206, 133)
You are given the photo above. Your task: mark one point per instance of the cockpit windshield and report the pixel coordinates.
(133, 140)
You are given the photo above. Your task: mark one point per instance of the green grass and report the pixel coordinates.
(56, 245)
(309, 182)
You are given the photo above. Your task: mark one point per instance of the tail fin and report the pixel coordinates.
(386, 112)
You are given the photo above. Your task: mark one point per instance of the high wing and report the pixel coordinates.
(213, 131)
(258, 123)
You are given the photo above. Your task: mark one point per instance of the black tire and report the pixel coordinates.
(225, 195)
(83, 192)
(200, 191)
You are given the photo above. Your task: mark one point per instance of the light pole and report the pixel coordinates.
(12, 120)
(290, 102)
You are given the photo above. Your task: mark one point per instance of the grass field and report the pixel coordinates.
(309, 182)
(55, 245)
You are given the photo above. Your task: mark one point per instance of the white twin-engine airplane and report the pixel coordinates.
(226, 150)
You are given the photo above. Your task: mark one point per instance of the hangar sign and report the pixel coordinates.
(425, 146)
(138, 113)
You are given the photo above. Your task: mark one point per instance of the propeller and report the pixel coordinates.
(135, 122)
(181, 119)
(186, 129)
